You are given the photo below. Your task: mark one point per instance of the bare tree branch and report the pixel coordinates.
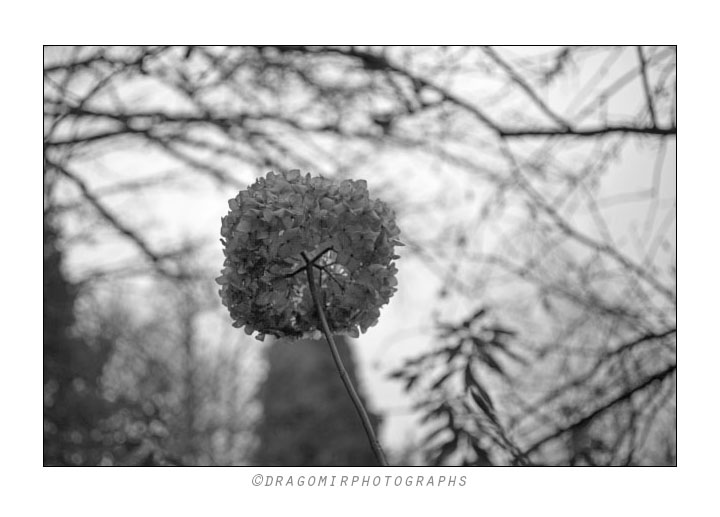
(660, 376)
(589, 132)
(154, 257)
(526, 88)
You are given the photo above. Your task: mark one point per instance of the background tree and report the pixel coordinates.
(177, 357)
(81, 425)
(307, 417)
(537, 183)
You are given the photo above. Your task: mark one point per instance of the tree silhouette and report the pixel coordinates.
(307, 419)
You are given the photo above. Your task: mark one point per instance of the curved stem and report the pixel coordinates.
(374, 443)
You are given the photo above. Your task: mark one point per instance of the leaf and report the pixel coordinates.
(483, 458)
(293, 175)
(434, 413)
(410, 381)
(500, 330)
(469, 321)
(513, 355)
(492, 363)
(482, 399)
(441, 380)
(446, 450)
(432, 435)
(397, 374)
(478, 393)
(478, 314)
(446, 330)
(479, 342)
(454, 351)
(244, 226)
(469, 378)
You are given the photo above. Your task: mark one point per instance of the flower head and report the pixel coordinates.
(286, 222)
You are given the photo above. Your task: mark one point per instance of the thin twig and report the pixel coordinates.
(374, 443)
(332, 277)
(153, 256)
(646, 86)
(517, 78)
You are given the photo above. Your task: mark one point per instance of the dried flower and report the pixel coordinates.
(283, 218)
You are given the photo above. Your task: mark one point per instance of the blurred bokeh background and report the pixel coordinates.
(535, 321)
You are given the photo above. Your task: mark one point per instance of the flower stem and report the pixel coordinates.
(374, 443)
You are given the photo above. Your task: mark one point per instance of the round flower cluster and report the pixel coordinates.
(286, 222)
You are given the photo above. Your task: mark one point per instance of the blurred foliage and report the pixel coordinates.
(120, 390)
(80, 425)
(451, 383)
